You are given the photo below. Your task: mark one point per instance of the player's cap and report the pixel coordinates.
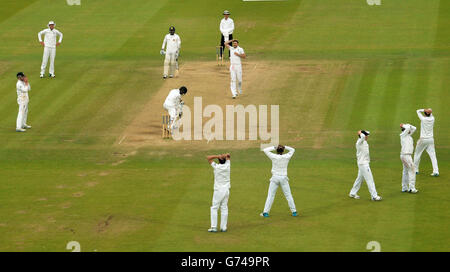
(226, 12)
(365, 132)
(51, 23)
(20, 74)
(172, 28)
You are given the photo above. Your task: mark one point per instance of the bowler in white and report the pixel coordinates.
(172, 44)
(23, 87)
(174, 105)
(407, 149)
(426, 141)
(279, 177)
(236, 54)
(364, 172)
(221, 190)
(50, 45)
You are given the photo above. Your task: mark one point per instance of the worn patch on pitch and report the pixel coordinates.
(264, 83)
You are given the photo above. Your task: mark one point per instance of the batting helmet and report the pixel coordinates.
(183, 90)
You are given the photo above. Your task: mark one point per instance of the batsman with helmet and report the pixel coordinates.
(172, 43)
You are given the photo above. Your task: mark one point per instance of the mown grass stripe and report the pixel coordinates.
(364, 90)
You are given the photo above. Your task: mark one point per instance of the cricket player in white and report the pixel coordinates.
(364, 172)
(50, 45)
(279, 177)
(426, 141)
(226, 29)
(172, 43)
(236, 53)
(407, 143)
(174, 105)
(221, 190)
(23, 87)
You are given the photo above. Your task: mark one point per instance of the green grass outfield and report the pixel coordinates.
(60, 181)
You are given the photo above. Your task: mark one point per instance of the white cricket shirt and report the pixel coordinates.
(22, 92)
(235, 60)
(173, 99)
(362, 150)
(226, 26)
(406, 140)
(279, 162)
(221, 175)
(426, 124)
(173, 43)
(50, 37)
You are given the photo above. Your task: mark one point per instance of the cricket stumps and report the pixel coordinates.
(219, 55)
(165, 126)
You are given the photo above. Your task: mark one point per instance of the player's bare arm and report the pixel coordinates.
(211, 158)
(227, 43)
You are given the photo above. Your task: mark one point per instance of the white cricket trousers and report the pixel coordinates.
(428, 145)
(220, 200)
(22, 116)
(409, 173)
(169, 63)
(48, 53)
(236, 77)
(276, 181)
(172, 113)
(364, 173)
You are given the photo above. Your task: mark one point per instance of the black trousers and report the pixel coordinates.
(222, 43)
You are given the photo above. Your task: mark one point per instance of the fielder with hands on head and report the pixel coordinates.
(23, 87)
(364, 172)
(235, 66)
(50, 45)
(172, 43)
(174, 105)
(279, 177)
(407, 143)
(226, 30)
(426, 141)
(221, 190)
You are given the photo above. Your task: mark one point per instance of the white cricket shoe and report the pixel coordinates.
(354, 196)
(212, 230)
(41, 76)
(20, 130)
(26, 127)
(413, 191)
(377, 198)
